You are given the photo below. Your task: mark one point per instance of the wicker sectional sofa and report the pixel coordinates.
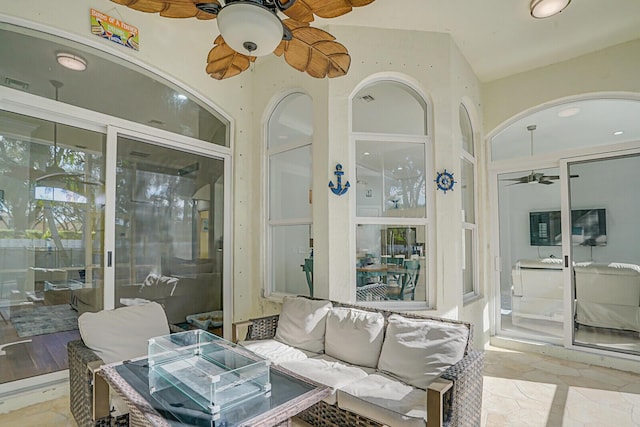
(384, 368)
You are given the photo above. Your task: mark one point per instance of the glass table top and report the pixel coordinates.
(179, 410)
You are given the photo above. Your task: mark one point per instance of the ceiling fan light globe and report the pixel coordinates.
(545, 8)
(245, 25)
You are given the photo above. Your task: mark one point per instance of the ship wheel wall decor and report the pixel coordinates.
(444, 181)
(252, 28)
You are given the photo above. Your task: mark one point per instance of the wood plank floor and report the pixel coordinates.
(31, 356)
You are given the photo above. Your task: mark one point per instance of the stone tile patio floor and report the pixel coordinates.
(520, 389)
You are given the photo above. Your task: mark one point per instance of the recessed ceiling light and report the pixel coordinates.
(366, 153)
(618, 132)
(568, 112)
(72, 62)
(399, 168)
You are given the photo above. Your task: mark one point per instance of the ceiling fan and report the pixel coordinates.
(535, 177)
(54, 172)
(252, 28)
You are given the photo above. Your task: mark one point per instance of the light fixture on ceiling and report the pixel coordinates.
(546, 8)
(618, 132)
(568, 112)
(250, 28)
(71, 61)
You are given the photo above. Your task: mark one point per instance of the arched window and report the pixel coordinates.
(290, 245)
(469, 223)
(393, 203)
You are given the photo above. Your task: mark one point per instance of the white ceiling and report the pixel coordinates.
(499, 37)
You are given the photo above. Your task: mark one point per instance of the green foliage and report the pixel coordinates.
(33, 234)
(7, 234)
(70, 235)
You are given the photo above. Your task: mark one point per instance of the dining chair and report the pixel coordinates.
(408, 280)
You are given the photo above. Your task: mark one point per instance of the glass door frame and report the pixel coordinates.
(568, 249)
(19, 102)
(563, 163)
(175, 142)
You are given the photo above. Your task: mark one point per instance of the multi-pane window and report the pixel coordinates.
(393, 166)
(290, 247)
(469, 226)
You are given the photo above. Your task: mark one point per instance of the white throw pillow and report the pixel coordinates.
(302, 323)
(418, 351)
(354, 336)
(123, 333)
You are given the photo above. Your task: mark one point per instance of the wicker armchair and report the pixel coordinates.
(88, 392)
(455, 399)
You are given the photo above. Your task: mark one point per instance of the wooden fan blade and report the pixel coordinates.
(170, 8)
(314, 51)
(224, 62)
(303, 10)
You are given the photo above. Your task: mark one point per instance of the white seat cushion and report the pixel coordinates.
(326, 371)
(275, 351)
(354, 336)
(302, 323)
(123, 333)
(386, 400)
(417, 351)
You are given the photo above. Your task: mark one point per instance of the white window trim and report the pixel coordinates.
(269, 290)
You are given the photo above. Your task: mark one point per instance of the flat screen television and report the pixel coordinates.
(588, 228)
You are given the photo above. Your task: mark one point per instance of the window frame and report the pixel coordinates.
(427, 221)
(466, 225)
(269, 287)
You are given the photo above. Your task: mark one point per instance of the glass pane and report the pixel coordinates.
(390, 179)
(292, 258)
(389, 107)
(468, 273)
(110, 80)
(531, 280)
(467, 185)
(606, 254)
(466, 129)
(390, 263)
(291, 121)
(587, 123)
(51, 238)
(169, 224)
(290, 184)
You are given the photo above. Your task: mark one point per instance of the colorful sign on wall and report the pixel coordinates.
(114, 29)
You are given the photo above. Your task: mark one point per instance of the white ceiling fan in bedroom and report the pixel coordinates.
(535, 177)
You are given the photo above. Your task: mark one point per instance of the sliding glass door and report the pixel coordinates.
(52, 199)
(603, 236)
(169, 218)
(531, 280)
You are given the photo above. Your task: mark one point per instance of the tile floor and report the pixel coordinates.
(520, 389)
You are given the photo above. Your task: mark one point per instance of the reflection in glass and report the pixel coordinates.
(290, 181)
(467, 186)
(606, 253)
(169, 224)
(466, 129)
(531, 280)
(389, 107)
(51, 238)
(390, 179)
(106, 86)
(289, 250)
(468, 271)
(384, 267)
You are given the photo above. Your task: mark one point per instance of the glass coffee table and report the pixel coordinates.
(211, 382)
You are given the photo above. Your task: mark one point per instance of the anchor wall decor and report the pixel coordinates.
(339, 189)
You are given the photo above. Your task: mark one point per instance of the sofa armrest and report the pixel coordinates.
(83, 366)
(236, 326)
(262, 328)
(463, 402)
(435, 401)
